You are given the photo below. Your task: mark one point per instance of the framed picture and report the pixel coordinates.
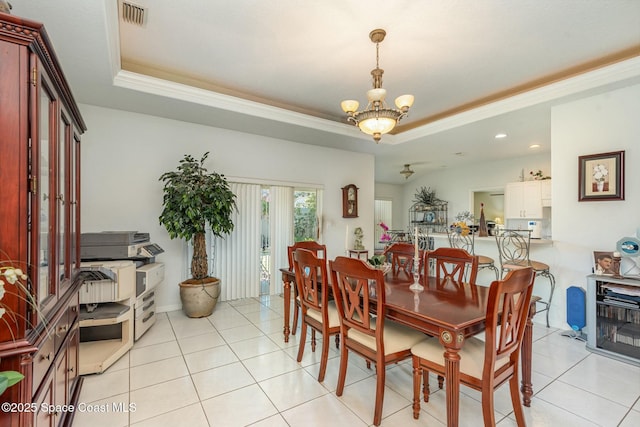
(601, 177)
(603, 263)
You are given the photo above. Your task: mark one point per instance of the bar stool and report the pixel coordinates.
(467, 242)
(513, 249)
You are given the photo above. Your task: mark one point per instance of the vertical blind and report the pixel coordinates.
(237, 256)
(281, 230)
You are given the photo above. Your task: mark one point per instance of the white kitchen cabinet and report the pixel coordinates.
(523, 200)
(545, 188)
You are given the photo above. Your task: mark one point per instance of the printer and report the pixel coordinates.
(135, 247)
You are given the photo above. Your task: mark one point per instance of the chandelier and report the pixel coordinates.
(377, 119)
(407, 172)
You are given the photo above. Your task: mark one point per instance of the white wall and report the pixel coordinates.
(599, 124)
(124, 154)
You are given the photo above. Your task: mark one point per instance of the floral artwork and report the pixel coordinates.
(386, 237)
(601, 176)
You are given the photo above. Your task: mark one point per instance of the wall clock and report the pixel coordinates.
(350, 201)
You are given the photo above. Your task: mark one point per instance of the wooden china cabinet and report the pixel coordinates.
(40, 128)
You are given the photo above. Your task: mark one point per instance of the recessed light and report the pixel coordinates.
(534, 146)
(501, 135)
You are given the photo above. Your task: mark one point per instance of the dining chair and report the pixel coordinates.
(321, 252)
(452, 265)
(364, 330)
(513, 250)
(485, 365)
(317, 311)
(468, 243)
(400, 255)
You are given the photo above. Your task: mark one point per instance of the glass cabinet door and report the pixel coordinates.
(63, 198)
(74, 208)
(45, 188)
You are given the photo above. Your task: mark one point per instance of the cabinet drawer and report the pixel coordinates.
(42, 360)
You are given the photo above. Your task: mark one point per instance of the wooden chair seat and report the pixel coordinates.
(472, 356)
(536, 265)
(485, 261)
(396, 337)
(332, 311)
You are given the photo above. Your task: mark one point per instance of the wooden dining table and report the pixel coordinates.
(450, 313)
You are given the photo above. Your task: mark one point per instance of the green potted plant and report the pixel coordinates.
(193, 198)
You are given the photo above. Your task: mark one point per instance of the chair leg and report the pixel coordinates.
(552, 281)
(487, 406)
(324, 357)
(313, 340)
(495, 270)
(417, 380)
(294, 326)
(425, 385)
(303, 338)
(515, 401)
(338, 341)
(344, 357)
(380, 379)
(440, 382)
(552, 284)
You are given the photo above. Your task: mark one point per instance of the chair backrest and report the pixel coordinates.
(354, 282)
(461, 240)
(310, 271)
(315, 247)
(513, 247)
(507, 312)
(400, 255)
(453, 265)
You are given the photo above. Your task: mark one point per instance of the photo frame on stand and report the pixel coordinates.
(601, 177)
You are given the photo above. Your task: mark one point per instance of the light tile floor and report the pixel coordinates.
(234, 369)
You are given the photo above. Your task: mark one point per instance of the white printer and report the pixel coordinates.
(135, 247)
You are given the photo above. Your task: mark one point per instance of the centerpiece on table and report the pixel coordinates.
(380, 262)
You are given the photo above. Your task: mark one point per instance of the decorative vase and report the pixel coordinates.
(199, 296)
(600, 186)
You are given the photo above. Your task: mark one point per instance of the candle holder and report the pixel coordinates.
(416, 286)
(616, 266)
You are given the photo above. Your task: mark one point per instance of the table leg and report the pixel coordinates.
(525, 358)
(287, 305)
(452, 375)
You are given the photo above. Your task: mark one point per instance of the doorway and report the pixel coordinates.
(492, 200)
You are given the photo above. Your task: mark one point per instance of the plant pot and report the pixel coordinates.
(199, 296)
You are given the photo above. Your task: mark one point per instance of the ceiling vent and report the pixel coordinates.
(132, 13)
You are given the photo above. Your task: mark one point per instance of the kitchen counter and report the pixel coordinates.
(493, 239)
